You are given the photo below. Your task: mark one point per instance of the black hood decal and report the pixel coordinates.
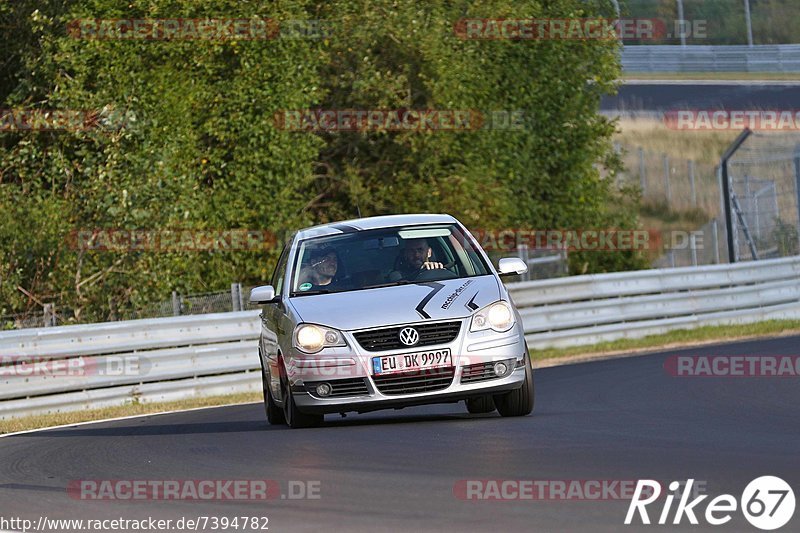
(435, 287)
(471, 305)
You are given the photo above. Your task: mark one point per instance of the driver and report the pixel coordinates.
(414, 258)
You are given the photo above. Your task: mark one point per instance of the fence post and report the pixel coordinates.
(691, 183)
(666, 180)
(725, 183)
(642, 171)
(49, 315)
(176, 304)
(693, 245)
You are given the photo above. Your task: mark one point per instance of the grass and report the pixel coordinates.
(704, 147)
(673, 339)
(72, 417)
(703, 76)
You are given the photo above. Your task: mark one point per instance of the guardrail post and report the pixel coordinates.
(49, 315)
(715, 239)
(236, 297)
(176, 304)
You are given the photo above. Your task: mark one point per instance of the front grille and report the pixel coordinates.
(478, 372)
(340, 387)
(415, 381)
(378, 340)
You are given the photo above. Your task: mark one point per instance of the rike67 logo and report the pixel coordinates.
(767, 503)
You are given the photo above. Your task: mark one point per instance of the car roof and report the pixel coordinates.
(360, 224)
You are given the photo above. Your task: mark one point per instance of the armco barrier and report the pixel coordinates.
(711, 58)
(173, 358)
(589, 309)
(204, 355)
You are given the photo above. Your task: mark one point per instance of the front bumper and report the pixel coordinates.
(352, 367)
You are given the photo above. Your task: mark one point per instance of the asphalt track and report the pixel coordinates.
(621, 419)
(664, 95)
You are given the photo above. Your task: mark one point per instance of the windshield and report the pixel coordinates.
(384, 257)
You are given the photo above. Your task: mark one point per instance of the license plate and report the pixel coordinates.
(388, 364)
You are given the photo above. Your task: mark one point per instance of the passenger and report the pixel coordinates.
(321, 271)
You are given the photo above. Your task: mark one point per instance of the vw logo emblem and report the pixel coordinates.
(409, 336)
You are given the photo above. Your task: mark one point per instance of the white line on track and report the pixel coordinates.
(122, 418)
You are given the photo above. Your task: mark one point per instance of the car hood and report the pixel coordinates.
(402, 304)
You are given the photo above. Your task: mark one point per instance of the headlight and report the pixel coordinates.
(310, 338)
(497, 316)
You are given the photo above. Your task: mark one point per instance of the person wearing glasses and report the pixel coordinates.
(320, 273)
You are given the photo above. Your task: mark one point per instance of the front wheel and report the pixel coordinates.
(274, 413)
(294, 417)
(480, 405)
(518, 402)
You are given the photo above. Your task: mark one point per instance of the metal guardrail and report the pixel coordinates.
(173, 358)
(590, 309)
(112, 363)
(711, 58)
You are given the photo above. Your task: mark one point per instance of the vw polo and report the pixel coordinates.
(389, 312)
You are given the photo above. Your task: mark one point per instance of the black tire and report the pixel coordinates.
(518, 402)
(274, 413)
(481, 404)
(294, 417)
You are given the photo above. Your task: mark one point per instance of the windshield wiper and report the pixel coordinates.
(309, 293)
(389, 284)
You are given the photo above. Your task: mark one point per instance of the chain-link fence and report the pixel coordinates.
(672, 183)
(190, 304)
(763, 177)
(681, 201)
(703, 246)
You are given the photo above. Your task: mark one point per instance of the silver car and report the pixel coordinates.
(388, 312)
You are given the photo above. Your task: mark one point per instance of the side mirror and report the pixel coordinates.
(264, 294)
(511, 265)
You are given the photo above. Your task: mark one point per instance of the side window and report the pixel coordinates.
(280, 270)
